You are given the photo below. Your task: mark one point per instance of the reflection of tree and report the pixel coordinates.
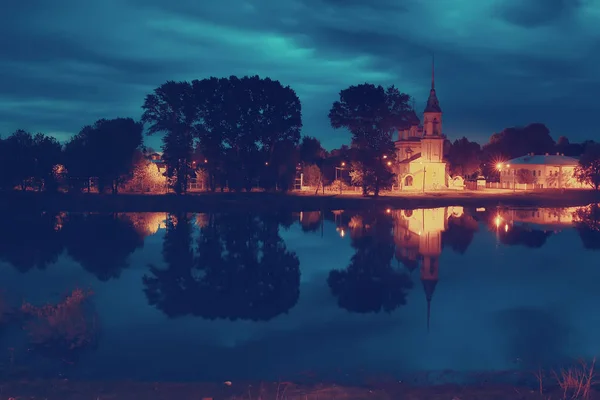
(101, 243)
(588, 226)
(30, 239)
(460, 233)
(242, 270)
(310, 221)
(518, 235)
(370, 283)
(62, 330)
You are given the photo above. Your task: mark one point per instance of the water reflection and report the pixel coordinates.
(240, 269)
(364, 268)
(370, 283)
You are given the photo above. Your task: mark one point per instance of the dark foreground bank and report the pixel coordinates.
(261, 201)
(63, 390)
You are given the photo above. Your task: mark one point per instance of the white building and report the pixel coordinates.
(548, 171)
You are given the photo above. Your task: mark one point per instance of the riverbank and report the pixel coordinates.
(64, 389)
(262, 201)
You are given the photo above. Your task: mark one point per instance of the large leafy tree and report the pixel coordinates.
(519, 141)
(252, 125)
(464, 157)
(371, 114)
(588, 170)
(104, 150)
(172, 111)
(28, 160)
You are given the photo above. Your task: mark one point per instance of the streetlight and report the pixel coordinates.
(499, 166)
(343, 164)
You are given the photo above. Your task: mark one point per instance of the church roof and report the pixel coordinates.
(433, 104)
(549, 160)
(411, 159)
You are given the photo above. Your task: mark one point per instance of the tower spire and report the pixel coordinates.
(428, 313)
(432, 72)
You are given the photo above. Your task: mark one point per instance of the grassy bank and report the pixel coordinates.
(63, 389)
(202, 202)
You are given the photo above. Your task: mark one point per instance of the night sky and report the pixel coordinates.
(499, 63)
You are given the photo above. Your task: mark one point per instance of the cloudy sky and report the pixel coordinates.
(499, 63)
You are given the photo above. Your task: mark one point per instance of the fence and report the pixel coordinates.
(472, 185)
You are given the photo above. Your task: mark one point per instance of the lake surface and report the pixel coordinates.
(153, 296)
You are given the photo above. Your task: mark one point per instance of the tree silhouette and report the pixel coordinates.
(518, 235)
(372, 113)
(519, 141)
(588, 170)
(30, 239)
(370, 283)
(460, 233)
(588, 226)
(28, 161)
(464, 157)
(101, 243)
(241, 270)
(172, 110)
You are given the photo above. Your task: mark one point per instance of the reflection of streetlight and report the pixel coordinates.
(505, 227)
(342, 233)
(497, 221)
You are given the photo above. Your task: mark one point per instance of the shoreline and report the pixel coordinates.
(390, 390)
(265, 202)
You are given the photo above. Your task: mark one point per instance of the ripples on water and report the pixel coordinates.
(246, 296)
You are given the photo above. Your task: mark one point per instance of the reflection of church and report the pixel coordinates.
(418, 239)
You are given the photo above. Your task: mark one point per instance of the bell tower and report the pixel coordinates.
(433, 140)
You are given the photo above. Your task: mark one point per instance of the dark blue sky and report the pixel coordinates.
(499, 63)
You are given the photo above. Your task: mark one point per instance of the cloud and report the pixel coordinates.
(65, 64)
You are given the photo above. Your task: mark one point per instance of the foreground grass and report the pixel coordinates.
(571, 386)
(259, 201)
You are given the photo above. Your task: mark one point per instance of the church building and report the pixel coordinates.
(420, 149)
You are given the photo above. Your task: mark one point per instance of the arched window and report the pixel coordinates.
(408, 181)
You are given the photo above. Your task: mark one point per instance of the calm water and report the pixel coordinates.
(245, 296)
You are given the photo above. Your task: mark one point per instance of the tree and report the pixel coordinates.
(115, 141)
(371, 114)
(311, 175)
(19, 159)
(47, 154)
(588, 170)
(311, 151)
(171, 109)
(516, 142)
(464, 157)
(525, 176)
(564, 146)
(146, 175)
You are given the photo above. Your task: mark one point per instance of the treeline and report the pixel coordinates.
(244, 133)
